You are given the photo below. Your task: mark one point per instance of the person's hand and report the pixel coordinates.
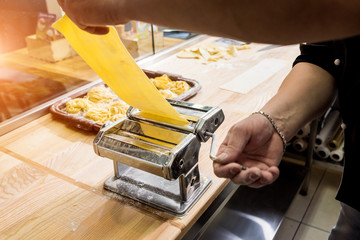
(94, 16)
(251, 143)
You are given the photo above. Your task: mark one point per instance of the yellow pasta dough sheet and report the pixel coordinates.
(109, 58)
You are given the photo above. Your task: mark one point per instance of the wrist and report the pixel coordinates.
(275, 126)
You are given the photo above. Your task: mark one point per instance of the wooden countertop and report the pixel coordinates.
(51, 181)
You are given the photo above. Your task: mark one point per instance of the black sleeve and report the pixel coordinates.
(320, 54)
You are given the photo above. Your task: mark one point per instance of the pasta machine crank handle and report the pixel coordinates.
(212, 150)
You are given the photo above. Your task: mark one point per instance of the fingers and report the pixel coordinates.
(253, 177)
(97, 30)
(256, 178)
(227, 171)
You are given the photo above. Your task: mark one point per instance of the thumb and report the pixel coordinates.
(230, 149)
(61, 2)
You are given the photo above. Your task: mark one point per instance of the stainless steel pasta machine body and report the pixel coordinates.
(156, 163)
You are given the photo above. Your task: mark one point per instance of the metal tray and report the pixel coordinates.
(89, 125)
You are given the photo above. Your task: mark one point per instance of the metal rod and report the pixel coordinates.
(153, 38)
(309, 156)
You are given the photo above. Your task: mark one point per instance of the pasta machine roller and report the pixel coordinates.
(156, 163)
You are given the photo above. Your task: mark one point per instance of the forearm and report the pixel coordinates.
(279, 21)
(305, 94)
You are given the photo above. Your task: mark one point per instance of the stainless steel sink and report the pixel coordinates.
(241, 212)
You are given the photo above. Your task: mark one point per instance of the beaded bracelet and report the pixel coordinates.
(275, 127)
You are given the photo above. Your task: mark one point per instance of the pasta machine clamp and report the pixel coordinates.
(156, 163)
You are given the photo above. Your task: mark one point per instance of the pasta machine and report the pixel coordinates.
(156, 163)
